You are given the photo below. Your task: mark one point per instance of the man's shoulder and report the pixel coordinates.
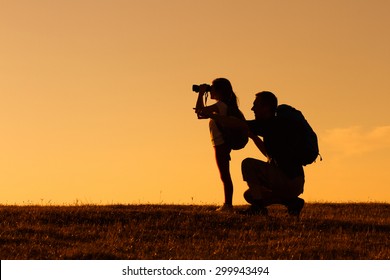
(285, 111)
(288, 115)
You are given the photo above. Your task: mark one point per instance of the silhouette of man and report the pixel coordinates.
(281, 179)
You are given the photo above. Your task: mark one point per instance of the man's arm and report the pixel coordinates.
(258, 142)
(235, 123)
(255, 130)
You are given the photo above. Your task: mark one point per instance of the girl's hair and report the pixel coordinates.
(227, 95)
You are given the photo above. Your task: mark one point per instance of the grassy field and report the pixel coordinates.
(324, 231)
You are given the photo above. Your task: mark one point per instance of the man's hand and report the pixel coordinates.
(251, 135)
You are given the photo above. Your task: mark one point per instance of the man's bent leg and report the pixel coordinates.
(255, 173)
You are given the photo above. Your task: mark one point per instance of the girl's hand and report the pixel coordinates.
(203, 88)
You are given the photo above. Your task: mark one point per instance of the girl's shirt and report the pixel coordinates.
(215, 133)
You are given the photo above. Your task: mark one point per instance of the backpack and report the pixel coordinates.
(307, 145)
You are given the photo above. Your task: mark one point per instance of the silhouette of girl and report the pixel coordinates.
(221, 90)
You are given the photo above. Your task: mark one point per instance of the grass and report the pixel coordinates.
(324, 231)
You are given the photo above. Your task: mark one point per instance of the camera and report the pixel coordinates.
(196, 88)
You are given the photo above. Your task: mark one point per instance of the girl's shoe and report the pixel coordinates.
(225, 208)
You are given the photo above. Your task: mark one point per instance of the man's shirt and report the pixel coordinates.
(281, 140)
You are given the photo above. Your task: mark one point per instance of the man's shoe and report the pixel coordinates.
(294, 206)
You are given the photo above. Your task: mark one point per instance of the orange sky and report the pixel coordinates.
(96, 102)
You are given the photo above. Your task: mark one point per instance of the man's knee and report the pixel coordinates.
(247, 164)
(248, 196)
(251, 168)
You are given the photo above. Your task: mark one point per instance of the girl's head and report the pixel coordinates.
(222, 90)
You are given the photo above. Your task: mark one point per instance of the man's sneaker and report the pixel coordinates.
(294, 206)
(225, 208)
(254, 210)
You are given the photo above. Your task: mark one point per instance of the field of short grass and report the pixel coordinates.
(324, 231)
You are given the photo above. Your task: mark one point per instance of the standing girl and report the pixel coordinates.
(221, 90)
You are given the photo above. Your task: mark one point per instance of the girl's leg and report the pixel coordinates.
(222, 156)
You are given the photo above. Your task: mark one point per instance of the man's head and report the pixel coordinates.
(265, 105)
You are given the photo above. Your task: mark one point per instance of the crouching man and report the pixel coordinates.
(281, 179)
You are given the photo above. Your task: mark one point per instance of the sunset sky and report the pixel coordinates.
(96, 101)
